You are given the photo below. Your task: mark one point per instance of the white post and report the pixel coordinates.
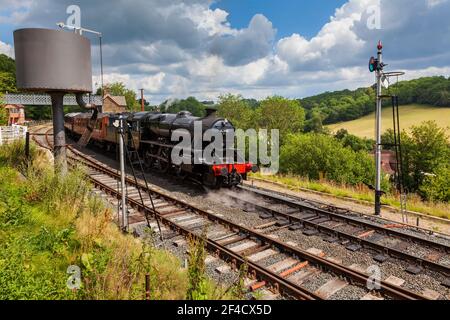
(378, 133)
(122, 178)
(1, 138)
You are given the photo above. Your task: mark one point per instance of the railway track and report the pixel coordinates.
(385, 241)
(235, 244)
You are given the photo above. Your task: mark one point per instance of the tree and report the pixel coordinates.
(349, 105)
(430, 150)
(424, 151)
(436, 187)
(190, 104)
(7, 64)
(311, 155)
(237, 110)
(353, 142)
(282, 114)
(315, 124)
(7, 82)
(7, 74)
(119, 89)
(3, 114)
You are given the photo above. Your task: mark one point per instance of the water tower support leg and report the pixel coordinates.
(59, 136)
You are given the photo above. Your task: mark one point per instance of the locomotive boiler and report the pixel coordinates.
(150, 134)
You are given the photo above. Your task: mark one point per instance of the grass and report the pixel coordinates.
(48, 223)
(361, 193)
(410, 115)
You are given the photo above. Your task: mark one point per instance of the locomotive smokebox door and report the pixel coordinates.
(57, 63)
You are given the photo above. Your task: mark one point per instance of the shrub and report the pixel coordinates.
(13, 154)
(317, 155)
(437, 187)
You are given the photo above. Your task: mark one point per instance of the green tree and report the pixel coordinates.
(190, 104)
(424, 151)
(282, 114)
(7, 64)
(354, 142)
(430, 150)
(7, 82)
(237, 110)
(311, 155)
(436, 187)
(3, 113)
(119, 89)
(315, 124)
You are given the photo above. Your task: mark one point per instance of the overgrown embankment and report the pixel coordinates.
(48, 223)
(358, 192)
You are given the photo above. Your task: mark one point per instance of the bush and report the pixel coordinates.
(13, 154)
(437, 187)
(48, 223)
(320, 156)
(424, 152)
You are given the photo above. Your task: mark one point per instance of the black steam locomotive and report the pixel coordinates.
(149, 133)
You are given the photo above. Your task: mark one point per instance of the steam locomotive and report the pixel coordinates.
(149, 134)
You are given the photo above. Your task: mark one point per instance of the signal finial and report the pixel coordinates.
(380, 45)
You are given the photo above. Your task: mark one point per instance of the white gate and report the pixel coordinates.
(12, 133)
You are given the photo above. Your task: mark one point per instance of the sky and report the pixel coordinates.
(256, 48)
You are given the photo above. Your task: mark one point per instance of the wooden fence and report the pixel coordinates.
(12, 133)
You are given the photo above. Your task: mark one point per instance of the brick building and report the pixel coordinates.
(16, 114)
(115, 104)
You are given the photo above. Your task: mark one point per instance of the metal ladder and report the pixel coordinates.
(400, 170)
(133, 153)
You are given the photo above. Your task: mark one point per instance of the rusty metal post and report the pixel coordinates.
(59, 136)
(27, 147)
(142, 100)
(147, 287)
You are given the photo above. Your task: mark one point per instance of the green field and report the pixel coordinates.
(409, 115)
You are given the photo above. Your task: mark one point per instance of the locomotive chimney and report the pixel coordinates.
(210, 111)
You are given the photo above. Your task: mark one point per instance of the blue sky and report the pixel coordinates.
(256, 48)
(288, 16)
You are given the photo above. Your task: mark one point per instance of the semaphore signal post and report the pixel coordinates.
(377, 65)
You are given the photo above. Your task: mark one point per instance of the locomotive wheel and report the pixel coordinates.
(180, 173)
(149, 161)
(164, 165)
(212, 181)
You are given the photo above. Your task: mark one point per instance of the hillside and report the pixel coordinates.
(346, 105)
(409, 115)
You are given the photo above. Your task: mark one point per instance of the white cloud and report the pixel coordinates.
(6, 49)
(331, 45)
(177, 48)
(432, 3)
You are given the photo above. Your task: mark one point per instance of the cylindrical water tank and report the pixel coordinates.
(52, 60)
